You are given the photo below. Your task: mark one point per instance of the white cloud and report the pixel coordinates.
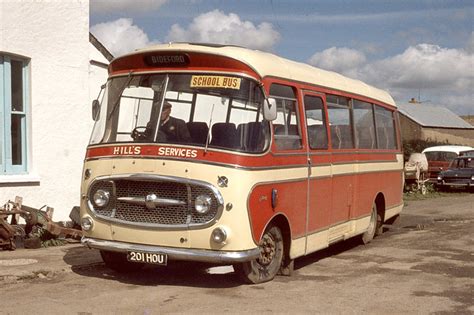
(217, 27)
(107, 6)
(442, 75)
(423, 66)
(121, 36)
(338, 59)
(470, 44)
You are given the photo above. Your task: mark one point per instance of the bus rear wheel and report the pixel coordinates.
(118, 262)
(375, 226)
(265, 267)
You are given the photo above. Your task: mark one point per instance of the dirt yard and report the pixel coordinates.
(424, 264)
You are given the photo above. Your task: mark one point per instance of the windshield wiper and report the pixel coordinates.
(209, 130)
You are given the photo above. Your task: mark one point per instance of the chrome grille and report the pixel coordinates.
(178, 215)
(456, 180)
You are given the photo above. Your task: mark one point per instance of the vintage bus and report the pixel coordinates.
(228, 155)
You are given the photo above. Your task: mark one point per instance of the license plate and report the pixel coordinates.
(147, 258)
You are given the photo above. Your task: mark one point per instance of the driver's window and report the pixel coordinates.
(135, 110)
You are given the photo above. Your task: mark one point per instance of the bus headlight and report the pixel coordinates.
(87, 223)
(202, 204)
(219, 235)
(101, 198)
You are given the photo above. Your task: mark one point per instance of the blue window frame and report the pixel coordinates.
(14, 106)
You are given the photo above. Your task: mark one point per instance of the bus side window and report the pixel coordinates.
(316, 122)
(364, 124)
(385, 123)
(286, 126)
(340, 122)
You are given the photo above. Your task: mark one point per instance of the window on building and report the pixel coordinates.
(14, 96)
(286, 126)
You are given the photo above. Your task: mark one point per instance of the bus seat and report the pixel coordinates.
(382, 138)
(289, 143)
(335, 137)
(365, 137)
(317, 137)
(252, 136)
(198, 131)
(278, 129)
(346, 137)
(224, 135)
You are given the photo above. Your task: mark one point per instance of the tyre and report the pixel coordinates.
(265, 267)
(118, 262)
(375, 226)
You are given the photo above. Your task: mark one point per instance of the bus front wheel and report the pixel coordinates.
(265, 267)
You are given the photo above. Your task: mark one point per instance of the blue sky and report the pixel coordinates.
(410, 48)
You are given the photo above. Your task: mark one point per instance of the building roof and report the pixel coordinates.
(267, 64)
(433, 116)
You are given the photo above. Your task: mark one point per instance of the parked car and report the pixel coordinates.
(469, 152)
(439, 158)
(459, 174)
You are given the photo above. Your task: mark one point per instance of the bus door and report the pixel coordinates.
(291, 154)
(342, 165)
(319, 173)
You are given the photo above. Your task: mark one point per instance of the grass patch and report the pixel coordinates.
(431, 193)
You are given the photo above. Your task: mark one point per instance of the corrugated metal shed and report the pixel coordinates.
(433, 116)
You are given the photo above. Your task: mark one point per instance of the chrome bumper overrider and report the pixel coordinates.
(202, 255)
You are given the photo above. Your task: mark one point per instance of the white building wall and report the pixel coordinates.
(55, 35)
(97, 73)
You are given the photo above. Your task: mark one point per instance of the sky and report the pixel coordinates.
(411, 48)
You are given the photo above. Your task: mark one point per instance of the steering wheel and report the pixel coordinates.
(141, 133)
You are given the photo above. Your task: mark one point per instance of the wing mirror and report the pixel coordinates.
(95, 110)
(269, 109)
(96, 105)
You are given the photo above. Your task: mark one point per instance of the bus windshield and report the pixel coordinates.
(204, 110)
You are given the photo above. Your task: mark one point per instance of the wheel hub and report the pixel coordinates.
(267, 250)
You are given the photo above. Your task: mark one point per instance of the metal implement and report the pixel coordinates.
(33, 217)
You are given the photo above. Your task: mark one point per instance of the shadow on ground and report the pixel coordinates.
(88, 263)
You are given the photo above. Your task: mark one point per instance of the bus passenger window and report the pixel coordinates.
(316, 122)
(286, 126)
(363, 114)
(340, 122)
(385, 128)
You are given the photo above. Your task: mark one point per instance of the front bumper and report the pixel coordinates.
(201, 255)
(455, 184)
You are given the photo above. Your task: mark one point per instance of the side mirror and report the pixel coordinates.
(269, 109)
(95, 110)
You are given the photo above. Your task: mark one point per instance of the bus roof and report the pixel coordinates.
(447, 148)
(267, 64)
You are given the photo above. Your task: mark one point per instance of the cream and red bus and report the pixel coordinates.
(266, 160)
